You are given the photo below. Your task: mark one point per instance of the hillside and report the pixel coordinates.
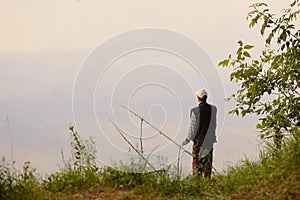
(275, 176)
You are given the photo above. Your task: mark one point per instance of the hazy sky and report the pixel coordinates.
(44, 43)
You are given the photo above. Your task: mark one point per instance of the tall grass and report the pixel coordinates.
(80, 171)
(275, 176)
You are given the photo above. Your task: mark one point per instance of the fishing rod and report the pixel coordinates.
(123, 136)
(159, 131)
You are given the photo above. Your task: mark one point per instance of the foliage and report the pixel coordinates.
(269, 85)
(83, 152)
(274, 176)
(20, 184)
(80, 172)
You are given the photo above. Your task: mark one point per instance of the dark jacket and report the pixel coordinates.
(206, 125)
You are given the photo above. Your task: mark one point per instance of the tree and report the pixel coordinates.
(269, 85)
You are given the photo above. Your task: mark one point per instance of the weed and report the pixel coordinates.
(274, 176)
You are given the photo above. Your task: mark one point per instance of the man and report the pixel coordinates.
(202, 133)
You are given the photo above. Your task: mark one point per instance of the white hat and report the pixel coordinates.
(201, 93)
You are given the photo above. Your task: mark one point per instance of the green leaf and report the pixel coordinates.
(266, 10)
(224, 63)
(248, 46)
(283, 36)
(247, 54)
(232, 112)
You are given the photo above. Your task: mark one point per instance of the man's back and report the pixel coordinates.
(206, 124)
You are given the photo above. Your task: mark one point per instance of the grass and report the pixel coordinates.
(275, 176)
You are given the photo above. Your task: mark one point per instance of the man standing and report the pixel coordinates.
(202, 133)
